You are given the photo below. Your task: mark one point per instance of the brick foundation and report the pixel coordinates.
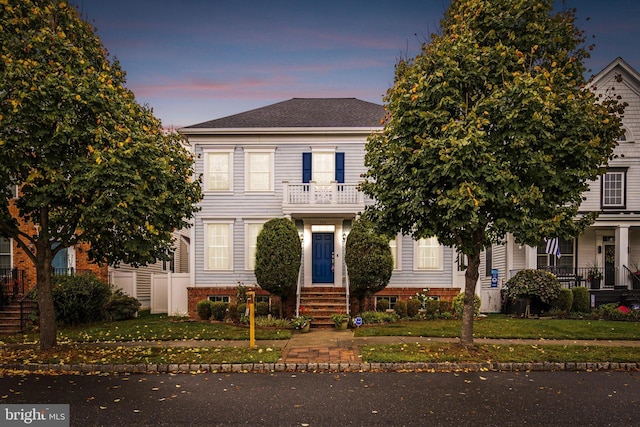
(200, 293)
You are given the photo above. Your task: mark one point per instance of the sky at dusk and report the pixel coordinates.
(197, 60)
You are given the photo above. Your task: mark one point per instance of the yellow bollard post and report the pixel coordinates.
(251, 297)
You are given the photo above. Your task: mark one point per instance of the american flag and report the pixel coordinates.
(553, 247)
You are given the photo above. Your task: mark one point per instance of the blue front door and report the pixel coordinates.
(322, 269)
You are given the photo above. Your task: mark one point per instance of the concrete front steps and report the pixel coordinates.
(10, 318)
(321, 302)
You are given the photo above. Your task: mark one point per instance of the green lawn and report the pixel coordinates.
(501, 326)
(154, 327)
(162, 328)
(448, 352)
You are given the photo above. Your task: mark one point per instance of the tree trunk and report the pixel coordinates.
(45, 295)
(471, 278)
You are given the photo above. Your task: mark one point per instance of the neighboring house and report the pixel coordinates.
(611, 245)
(303, 159)
(138, 281)
(18, 274)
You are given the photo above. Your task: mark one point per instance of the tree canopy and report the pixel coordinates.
(92, 164)
(489, 131)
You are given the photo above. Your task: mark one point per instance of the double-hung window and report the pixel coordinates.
(613, 194)
(428, 254)
(219, 245)
(218, 170)
(5, 255)
(323, 167)
(259, 166)
(252, 229)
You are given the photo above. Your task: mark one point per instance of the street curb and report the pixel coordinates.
(90, 369)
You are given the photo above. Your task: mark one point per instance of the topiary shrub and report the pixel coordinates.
(531, 284)
(382, 305)
(278, 258)
(368, 259)
(564, 302)
(413, 307)
(457, 305)
(218, 310)
(79, 299)
(401, 308)
(121, 306)
(581, 300)
(204, 309)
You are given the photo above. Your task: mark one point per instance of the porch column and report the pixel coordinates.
(622, 254)
(531, 257)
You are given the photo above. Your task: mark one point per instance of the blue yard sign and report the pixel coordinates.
(494, 277)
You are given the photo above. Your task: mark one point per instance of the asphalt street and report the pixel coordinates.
(337, 399)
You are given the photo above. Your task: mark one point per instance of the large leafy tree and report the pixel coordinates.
(92, 165)
(369, 260)
(490, 131)
(278, 257)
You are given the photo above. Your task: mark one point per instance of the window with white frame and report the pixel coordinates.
(259, 170)
(252, 229)
(5, 253)
(428, 254)
(219, 246)
(218, 170)
(323, 168)
(218, 298)
(613, 193)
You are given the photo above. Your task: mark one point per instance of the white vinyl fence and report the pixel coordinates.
(169, 293)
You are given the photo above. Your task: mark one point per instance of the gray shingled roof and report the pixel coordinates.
(304, 112)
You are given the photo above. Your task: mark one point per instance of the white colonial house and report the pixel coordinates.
(302, 159)
(611, 246)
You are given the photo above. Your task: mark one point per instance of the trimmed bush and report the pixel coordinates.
(564, 302)
(382, 305)
(457, 305)
(533, 284)
(401, 308)
(581, 300)
(278, 258)
(121, 306)
(262, 309)
(204, 309)
(376, 317)
(232, 312)
(219, 310)
(368, 259)
(413, 307)
(79, 299)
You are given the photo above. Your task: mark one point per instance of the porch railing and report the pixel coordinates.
(27, 306)
(11, 284)
(635, 278)
(571, 277)
(320, 194)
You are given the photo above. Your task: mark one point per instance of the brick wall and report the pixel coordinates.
(24, 263)
(196, 295)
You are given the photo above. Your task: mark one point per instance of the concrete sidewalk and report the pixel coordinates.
(336, 351)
